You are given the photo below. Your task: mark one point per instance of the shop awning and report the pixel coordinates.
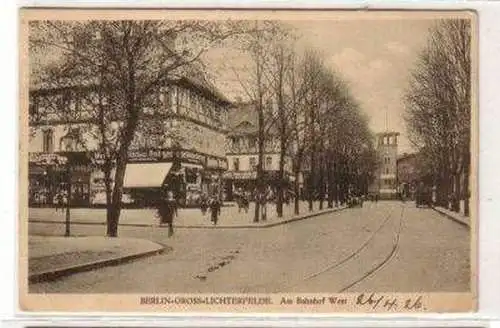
(145, 175)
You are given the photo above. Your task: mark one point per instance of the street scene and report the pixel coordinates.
(334, 252)
(250, 156)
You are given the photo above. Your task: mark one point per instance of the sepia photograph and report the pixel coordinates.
(248, 160)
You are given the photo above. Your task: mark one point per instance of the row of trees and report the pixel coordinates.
(438, 111)
(309, 108)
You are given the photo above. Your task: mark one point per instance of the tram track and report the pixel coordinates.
(337, 264)
(384, 262)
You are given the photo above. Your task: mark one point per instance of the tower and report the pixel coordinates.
(386, 177)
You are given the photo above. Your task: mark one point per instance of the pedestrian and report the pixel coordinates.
(204, 204)
(262, 199)
(215, 207)
(167, 210)
(59, 201)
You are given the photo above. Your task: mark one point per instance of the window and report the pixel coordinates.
(236, 142)
(68, 144)
(191, 175)
(386, 170)
(48, 141)
(269, 144)
(167, 99)
(253, 163)
(236, 164)
(269, 162)
(252, 142)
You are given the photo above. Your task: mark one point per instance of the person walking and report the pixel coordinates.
(167, 210)
(204, 204)
(215, 207)
(59, 201)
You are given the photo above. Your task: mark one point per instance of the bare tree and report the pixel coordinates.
(123, 64)
(438, 110)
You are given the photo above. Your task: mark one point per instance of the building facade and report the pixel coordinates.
(407, 175)
(385, 183)
(179, 144)
(242, 153)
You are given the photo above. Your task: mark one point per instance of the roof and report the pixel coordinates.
(190, 77)
(243, 120)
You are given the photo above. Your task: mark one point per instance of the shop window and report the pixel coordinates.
(236, 164)
(48, 141)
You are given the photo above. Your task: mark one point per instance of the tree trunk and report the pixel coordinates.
(455, 206)
(310, 191)
(330, 183)
(257, 211)
(296, 190)
(466, 193)
(281, 173)
(321, 183)
(116, 200)
(109, 201)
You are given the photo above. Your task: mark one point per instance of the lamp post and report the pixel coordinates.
(68, 202)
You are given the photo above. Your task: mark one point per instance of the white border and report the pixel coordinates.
(147, 323)
(489, 177)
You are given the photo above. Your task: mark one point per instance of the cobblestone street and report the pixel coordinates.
(385, 246)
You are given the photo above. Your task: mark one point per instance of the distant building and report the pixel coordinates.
(407, 174)
(242, 152)
(385, 183)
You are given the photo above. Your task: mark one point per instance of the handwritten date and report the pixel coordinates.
(389, 303)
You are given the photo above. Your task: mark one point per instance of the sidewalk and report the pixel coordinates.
(53, 257)
(187, 218)
(457, 217)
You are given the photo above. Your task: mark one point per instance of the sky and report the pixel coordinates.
(374, 56)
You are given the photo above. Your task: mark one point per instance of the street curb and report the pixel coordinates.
(245, 226)
(451, 217)
(259, 226)
(69, 270)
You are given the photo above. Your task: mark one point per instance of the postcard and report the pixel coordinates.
(248, 161)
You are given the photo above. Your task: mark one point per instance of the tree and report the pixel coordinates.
(438, 109)
(123, 64)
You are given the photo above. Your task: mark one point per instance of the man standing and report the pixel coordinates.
(166, 210)
(215, 206)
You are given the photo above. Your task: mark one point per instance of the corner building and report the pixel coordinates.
(180, 144)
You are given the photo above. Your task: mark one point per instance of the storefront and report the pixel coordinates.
(187, 174)
(49, 175)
